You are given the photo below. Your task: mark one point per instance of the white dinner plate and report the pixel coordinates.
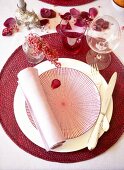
(32, 133)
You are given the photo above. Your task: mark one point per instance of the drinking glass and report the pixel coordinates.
(33, 48)
(71, 35)
(103, 36)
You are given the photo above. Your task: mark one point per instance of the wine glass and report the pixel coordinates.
(72, 34)
(103, 36)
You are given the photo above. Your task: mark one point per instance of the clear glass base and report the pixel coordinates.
(35, 59)
(102, 60)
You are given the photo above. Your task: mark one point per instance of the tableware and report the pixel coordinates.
(97, 79)
(105, 102)
(31, 132)
(39, 107)
(103, 35)
(118, 5)
(33, 48)
(71, 34)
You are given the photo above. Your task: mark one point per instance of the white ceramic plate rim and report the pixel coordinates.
(31, 132)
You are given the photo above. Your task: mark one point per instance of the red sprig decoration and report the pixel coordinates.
(38, 46)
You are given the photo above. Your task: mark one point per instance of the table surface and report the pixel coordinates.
(11, 156)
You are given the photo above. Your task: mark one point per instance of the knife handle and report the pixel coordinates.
(95, 133)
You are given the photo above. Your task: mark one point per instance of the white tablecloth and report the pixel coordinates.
(11, 156)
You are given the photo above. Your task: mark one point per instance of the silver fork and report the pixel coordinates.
(97, 79)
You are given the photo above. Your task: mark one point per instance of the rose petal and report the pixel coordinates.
(58, 28)
(44, 22)
(105, 25)
(74, 12)
(100, 22)
(93, 12)
(53, 14)
(80, 22)
(55, 83)
(68, 26)
(47, 13)
(84, 15)
(9, 22)
(66, 16)
(7, 31)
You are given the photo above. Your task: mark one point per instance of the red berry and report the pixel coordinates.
(55, 83)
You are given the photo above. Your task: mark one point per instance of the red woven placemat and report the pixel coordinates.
(8, 85)
(67, 2)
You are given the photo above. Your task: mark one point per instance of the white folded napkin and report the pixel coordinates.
(41, 112)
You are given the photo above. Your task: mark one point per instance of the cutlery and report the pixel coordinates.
(105, 102)
(97, 79)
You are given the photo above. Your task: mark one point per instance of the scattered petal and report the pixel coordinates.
(105, 25)
(84, 15)
(101, 24)
(80, 22)
(9, 22)
(7, 32)
(93, 12)
(44, 22)
(74, 12)
(55, 83)
(47, 13)
(122, 28)
(66, 16)
(68, 26)
(58, 28)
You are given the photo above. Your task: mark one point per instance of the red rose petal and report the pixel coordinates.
(58, 28)
(100, 22)
(105, 25)
(80, 22)
(84, 15)
(74, 12)
(44, 22)
(47, 13)
(68, 26)
(9, 22)
(93, 12)
(66, 16)
(7, 32)
(55, 83)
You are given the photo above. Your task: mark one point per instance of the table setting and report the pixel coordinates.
(60, 109)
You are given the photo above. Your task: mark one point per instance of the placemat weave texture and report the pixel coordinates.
(67, 2)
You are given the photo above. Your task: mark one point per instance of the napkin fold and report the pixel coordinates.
(41, 112)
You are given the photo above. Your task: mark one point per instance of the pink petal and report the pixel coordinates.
(9, 22)
(44, 22)
(66, 16)
(74, 12)
(55, 83)
(47, 13)
(93, 12)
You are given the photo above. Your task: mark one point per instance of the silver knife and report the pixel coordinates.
(105, 103)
